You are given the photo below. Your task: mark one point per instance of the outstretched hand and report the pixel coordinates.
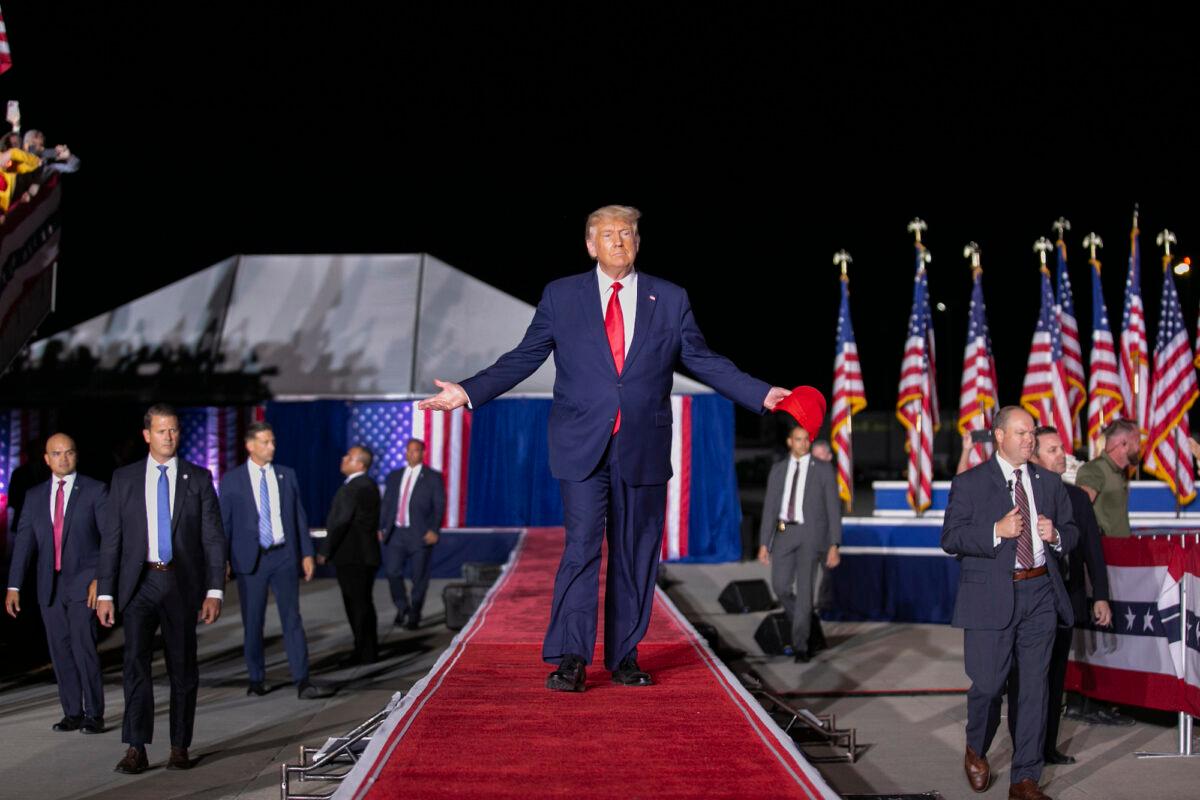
(450, 397)
(774, 397)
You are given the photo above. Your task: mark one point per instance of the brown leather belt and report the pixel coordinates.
(159, 566)
(1026, 574)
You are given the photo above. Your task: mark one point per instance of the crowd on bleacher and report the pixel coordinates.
(27, 163)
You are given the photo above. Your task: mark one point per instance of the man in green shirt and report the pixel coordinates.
(1106, 477)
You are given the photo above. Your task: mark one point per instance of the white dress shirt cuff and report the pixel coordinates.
(215, 593)
(13, 589)
(107, 597)
(995, 536)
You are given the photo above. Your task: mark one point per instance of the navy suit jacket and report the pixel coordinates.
(979, 497)
(197, 541)
(239, 517)
(588, 392)
(426, 507)
(80, 542)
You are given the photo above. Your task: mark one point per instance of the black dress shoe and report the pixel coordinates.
(67, 724)
(401, 616)
(179, 759)
(310, 691)
(256, 689)
(92, 725)
(571, 675)
(134, 762)
(1057, 757)
(350, 661)
(414, 623)
(802, 657)
(628, 673)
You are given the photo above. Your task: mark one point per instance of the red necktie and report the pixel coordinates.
(402, 512)
(614, 326)
(58, 526)
(1025, 540)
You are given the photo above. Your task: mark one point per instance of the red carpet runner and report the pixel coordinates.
(481, 724)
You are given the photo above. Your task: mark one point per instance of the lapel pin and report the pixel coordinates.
(185, 476)
(652, 297)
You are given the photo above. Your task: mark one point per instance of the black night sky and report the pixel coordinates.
(757, 140)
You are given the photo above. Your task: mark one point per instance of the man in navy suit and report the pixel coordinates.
(61, 530)
(1005, 521)
(269, 545)
(162, 562)
(617, 336)
(410, 522)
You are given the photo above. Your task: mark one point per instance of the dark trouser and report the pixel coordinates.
(633, 517)
(356, 582)
(158, 601)
(1056, 679)
(407, 546)
(277, 571)
(794, 562)
(990, 656)
(71, 634)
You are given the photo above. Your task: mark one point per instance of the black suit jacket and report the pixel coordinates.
(197, 540)
(352, 527)
(979, 497)
(1089, 551)
(426, 507)
(80, 544)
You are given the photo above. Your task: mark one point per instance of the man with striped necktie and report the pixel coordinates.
(1003, 519)
(269, 546)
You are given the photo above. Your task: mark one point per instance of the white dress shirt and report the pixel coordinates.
(403, 519)
(151, 489)
(1039, 552)
(627, 297)
(67, 487)
(272, 496)
(796, 470)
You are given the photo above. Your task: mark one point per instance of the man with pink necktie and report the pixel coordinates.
(60, 528)
(410, 523)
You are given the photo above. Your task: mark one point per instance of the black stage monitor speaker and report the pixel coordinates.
(742, 597)
(481, 573)
(774, 634)
(461, 600)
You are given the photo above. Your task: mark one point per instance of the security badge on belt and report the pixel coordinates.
(782, 526)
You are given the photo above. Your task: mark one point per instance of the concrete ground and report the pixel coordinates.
(912, 743)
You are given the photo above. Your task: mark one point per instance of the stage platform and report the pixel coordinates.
(481, 724)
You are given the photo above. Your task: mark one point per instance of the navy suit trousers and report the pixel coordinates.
(278, 572)
(71, 634)
(406, 546)
(1022, 648)
(633, 517)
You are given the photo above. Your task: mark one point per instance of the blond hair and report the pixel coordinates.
(626, 213)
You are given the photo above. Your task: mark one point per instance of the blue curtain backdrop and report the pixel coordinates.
(311, 438)
(509, 482)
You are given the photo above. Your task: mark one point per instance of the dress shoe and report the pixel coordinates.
(401, 617)
(350, 661)
(571, 675)
(1110, 716)
(414, 622)
(1057, 757)
(67, 724)
(628, 673)
(1026, 790)
(92, 725)
(256, 689)
(310, 691)
(179, 759)
(802, 657)
(134, 762)
(979, 773)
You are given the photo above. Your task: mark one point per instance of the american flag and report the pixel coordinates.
(1134, 353)
(917, 407)
(849, 396)
(5, 53)
(386, 427)
(1046, 394)
(213, 437)
(1104, 384)
(1072, 352)
(977, 397)
(1175, 390)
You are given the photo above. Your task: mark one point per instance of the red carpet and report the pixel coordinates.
(481, 724)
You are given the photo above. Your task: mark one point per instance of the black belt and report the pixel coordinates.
(783, 524)
(272, 547)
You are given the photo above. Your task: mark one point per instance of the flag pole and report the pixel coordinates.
(842, 260)
(1165, 239)
(1091, 242)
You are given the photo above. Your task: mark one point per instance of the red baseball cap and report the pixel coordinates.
(807, 406)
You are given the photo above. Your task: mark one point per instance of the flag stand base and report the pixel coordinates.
(1185, 741)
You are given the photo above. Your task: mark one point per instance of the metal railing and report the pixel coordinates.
(332, 762)
(822, 728)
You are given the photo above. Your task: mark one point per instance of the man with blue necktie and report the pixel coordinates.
(617, 335)
(162, 562)
(268, 547)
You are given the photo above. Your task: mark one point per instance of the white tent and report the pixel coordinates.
(362, 326)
